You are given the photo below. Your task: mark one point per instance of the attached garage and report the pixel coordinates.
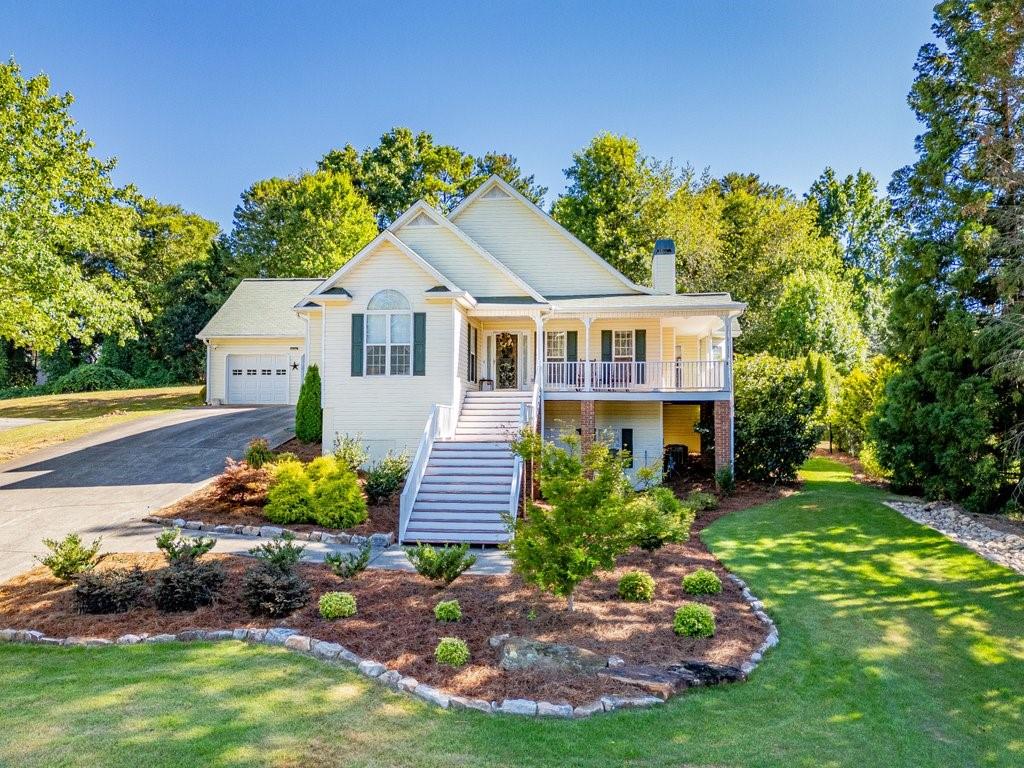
(256, 345)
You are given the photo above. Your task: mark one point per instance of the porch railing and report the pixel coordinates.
(657, 376)
(440, 425)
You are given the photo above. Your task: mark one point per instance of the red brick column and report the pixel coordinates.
(723, 434)
(587, 425)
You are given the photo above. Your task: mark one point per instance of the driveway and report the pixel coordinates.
(96, 484)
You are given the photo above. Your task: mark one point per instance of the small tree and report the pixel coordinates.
(309, 416)
(587, 524)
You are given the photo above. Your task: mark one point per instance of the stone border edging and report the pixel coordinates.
(999, 547)
(325, 651)
(376, 540)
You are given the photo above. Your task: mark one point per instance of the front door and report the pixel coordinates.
(506, 360)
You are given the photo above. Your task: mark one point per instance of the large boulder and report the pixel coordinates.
(526, 653)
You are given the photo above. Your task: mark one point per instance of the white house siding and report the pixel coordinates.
(644, 418)
(652, 326)
(454, 259)
(388, 411)
(533, 249)
(315, 345)
(221, 348)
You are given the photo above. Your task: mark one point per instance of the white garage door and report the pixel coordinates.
(257, 379)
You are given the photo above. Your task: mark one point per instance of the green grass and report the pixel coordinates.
(898, 648)
(70, 416)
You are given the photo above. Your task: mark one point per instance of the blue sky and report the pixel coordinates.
(198, 100)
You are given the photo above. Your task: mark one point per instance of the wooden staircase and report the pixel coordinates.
(468, 480)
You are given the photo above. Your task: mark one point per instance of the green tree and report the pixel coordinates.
(617, 202)
(816, 313)
(309, 416)
(860, 394)
(307, 226)
(68, 235)
(586, 524)
(946, 418)
(405, 167)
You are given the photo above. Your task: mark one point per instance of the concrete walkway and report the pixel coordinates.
(137, 536)
(97, 484)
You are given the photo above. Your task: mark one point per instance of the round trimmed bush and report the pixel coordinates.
(337, 605)
(452, 652)
(290, 496)
(702, 582)
(637, 587)
(694, 620)
(91, 377)
(448, 610)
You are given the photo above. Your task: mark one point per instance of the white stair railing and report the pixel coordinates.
(439, 424)
(527, 417)
(664, 376)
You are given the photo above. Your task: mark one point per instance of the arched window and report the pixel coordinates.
(388, 335)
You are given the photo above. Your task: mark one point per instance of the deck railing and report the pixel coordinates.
(673, 376)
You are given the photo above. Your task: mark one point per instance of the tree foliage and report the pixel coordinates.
(68, 235)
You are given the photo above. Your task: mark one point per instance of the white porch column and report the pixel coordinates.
(732, 397)
(539, 349)
(587, 380)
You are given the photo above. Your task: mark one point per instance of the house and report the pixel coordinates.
(445, 334)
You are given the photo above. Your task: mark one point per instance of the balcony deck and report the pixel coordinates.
(674, 380)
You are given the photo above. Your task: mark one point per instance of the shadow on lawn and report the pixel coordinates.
(87, 406)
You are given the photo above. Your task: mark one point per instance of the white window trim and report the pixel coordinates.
(388, 344)
(565, 347)
(632, 346)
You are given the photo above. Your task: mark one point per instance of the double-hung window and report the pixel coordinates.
(388, 339)
(555, 348)
(622, 346)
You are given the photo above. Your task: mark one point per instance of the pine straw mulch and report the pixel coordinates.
(395, 624)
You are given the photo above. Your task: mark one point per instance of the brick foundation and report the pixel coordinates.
(723, 434)
(588, 426)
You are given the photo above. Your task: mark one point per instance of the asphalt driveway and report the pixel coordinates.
(96, 484)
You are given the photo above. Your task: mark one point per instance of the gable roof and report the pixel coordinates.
(421, 209)
(387, 236)
(261, 308)
(495, 181)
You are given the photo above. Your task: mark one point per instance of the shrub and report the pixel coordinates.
(694, 621)
(182, 550)
(348, 565)
(309, 417)
(337, 499)
(258, 453)
(281, 553)
(775, 428)
(114, 591)
(91, 378)
(273, 592)
(240, 483)
(443, 564)
(700, 501)
(350, 451)
(290, 495)
(724, 481)
(284, 456)
(588, 523)
(658, 518)
(187, 585)
(385, 477)
(448, 610)
(637, 587)
(702, 582)
(337, 605)
(452, 652)
(69, 557)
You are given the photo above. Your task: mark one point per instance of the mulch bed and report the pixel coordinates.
(305, 452)
(395, 623)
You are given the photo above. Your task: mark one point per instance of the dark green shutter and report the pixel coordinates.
(419, 344)
(570, 346)
(606, 346)
(469, 352)
(627, 444)
(640, 351)
(357, 345)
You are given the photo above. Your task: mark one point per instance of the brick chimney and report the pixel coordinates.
(663, 267)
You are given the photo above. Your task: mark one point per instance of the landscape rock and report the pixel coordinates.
(27, 636)
(178, 522)
(223, 529)
(270, 531)
(129, 639)
(518, 707)
(546, 709)
(220, 634)
(314, 535)
(616, 661)
(462, 702)
(250, 530)
(381, 540)
(255, 635)
(191, 635)
(391, 678)
(586, 710)
(328, 538)
(612, 703)
(496, 641)
(194, 525)
(278, 635)
(7, 635)
(87, 642)
(162, 638)
(297, 643)
(520, 653)
(708, 673)
(324, 650)
(372, 668)
(357, 541)
(408, 683)
(432, 694)
(50, 641)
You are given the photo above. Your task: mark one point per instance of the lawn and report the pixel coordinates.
(898, 648)
(66, 417)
